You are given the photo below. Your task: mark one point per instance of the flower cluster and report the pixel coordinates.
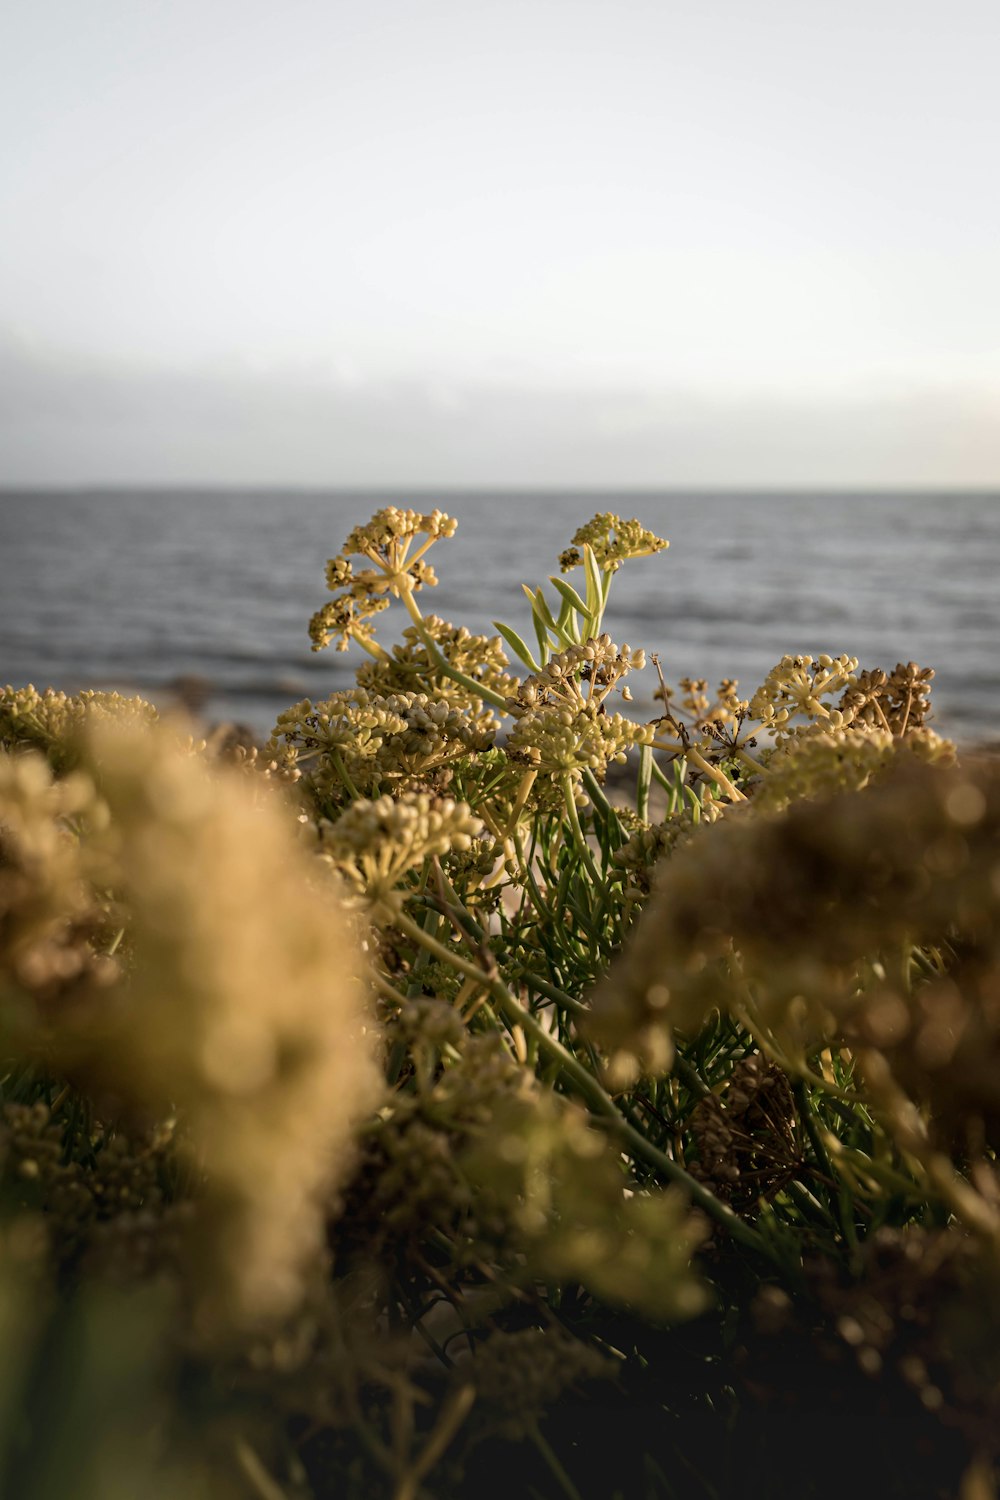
(557, 741)
(411, 1181)
(797, 686)
(411, 665)
(112, 1215)
(898, 701)
(613, 541)
(385, 541)
(639, 855)
(597, 665)
(239, 1007)
(561, 722)
(54, 722)
(388, 536)
(819, 761)
(358, 742)
(52, 916)
(747, 1139)
(375, 844)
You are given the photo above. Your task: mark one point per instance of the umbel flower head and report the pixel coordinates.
(240, 1009)
(613, 541)
(369, 740)
(386, 542)
(798, 685)
(373, 845)
(55, 723)
(562, 724)
(817, 762)
(410, 666)
(572, 1216)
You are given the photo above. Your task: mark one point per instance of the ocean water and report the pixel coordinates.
(135, 589)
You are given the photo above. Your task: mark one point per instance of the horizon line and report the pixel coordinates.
(701, 488)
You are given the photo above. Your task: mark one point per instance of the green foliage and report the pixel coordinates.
(479, 1089)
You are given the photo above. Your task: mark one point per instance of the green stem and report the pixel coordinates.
(669, 787)
(582, 847)
(689, 1075)
(532, 887)
(642, 783)
(596, 794)
(808, 1119)
(551, 992)
(749, 761)
(342, 772)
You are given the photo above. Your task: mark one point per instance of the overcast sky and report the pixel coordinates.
(500, 241)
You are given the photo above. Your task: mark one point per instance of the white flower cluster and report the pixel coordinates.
(374, 739)
(613, 541)
(374, 844)
(385, 540)
(562, 724)
(597, 665)
(821, 761)
(557, 740)
(797, 686)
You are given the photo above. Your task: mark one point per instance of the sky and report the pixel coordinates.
(473, 242)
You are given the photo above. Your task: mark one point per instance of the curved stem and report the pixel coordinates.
(343, 773)
(441, 661)
(717, 775)
(373, 648)
(523, 793)
(752, 764)
(597, 796)
(580, 843)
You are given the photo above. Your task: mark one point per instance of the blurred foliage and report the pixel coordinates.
(479, 1090)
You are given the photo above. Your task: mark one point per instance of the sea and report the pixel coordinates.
(204, 596)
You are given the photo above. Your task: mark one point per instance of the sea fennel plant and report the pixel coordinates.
(686, 1129)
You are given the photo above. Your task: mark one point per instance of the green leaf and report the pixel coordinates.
(642, 786)
(542, 635)
(539, 606)
(674, 788)
(517, 645)
(597, 587)
(695, 803)
(571, 596)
